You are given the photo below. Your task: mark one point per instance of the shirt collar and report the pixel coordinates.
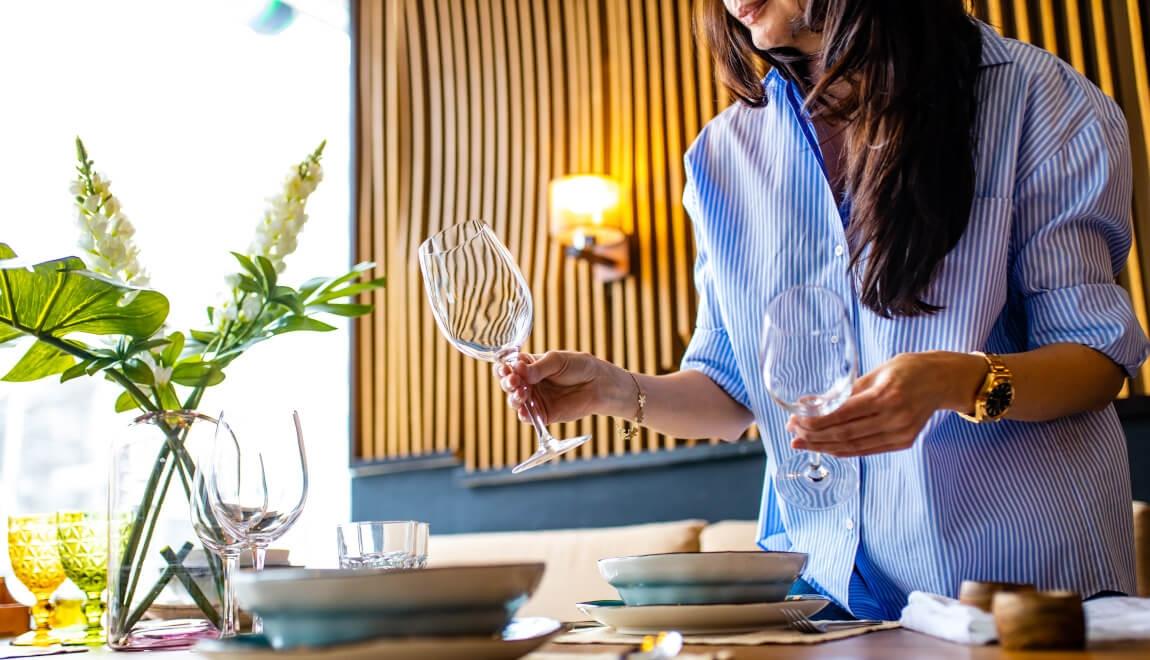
(994, 50)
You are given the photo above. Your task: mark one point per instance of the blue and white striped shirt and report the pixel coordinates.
(1044, 503)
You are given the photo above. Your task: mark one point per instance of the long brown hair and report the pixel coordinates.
(903, 74)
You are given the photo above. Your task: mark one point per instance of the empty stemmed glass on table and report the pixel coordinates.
(278, 442)
(809, 366)
(483, 307)
(228, 498)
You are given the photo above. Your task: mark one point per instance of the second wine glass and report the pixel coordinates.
(228, 497)
(278, 441)
(809, 366)
(483, 307)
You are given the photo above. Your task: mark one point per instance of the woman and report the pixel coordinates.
(963, 193)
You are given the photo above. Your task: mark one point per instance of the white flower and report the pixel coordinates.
(105, 233)
(161, 374)
(277, 232)
(250, 308)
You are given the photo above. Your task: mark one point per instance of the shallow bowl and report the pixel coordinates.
(699, 578)
(319, 607)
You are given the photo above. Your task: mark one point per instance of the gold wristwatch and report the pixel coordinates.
(996, 394)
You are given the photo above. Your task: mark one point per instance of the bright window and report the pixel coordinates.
(195, 117)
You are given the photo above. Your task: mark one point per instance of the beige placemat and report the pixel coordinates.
(606, 635)
(559, 655)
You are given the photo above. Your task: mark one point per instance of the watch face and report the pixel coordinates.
(999, 399)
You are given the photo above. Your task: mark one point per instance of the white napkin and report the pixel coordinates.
(1115, 618)
(948, 619)
(1107, 619)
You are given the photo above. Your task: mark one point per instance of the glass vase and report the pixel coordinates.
(163, 587)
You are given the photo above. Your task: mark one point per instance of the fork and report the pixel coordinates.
(799, 621)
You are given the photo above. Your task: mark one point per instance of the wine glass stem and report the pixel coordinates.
(230, 562)
(93, 611)
(42, 614)
(815, 471)
(541, 433)
(259, 558)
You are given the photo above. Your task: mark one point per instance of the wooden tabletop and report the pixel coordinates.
(885, 645)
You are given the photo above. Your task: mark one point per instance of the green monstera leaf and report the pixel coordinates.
(52, 300)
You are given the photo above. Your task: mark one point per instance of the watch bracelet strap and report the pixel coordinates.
(995, 367)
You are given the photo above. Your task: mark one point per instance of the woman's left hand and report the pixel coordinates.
(889, 406)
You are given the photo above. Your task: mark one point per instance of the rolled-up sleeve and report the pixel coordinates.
(1072, 235)
(710, 351)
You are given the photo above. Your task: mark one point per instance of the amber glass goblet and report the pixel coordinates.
(83, 545)
(36, 563)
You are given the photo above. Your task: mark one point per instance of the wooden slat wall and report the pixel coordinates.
(468, 108)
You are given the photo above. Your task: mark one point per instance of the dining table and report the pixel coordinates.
(881, 645)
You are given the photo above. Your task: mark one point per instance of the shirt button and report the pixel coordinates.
(839, 250)
(848, 523)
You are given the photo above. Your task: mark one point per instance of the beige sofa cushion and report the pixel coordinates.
(572, 573)
(729, 536)
(1142, 547)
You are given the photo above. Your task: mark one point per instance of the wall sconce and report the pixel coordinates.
(585, 212)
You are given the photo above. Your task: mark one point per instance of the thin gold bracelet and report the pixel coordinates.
(628, 431)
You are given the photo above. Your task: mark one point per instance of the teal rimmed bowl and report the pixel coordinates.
(703, 578)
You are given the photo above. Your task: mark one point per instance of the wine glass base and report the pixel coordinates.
(30, 639)
(797, 488)
(550, 449)
(84, 641)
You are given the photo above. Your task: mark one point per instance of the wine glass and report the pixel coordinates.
(223, 536)
(809, 365)
(83, 545)
(483, 307)
(36, 563)
(284, 480)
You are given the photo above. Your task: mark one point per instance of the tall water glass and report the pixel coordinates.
(483, 307)
(809, 366)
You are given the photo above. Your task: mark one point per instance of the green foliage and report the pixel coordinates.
(53, 300)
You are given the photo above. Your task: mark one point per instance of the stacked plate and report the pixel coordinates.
(459, 611)
(701, 592)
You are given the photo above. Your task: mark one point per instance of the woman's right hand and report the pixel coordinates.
(566, 385)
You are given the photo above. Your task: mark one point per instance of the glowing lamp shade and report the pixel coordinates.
(585, 210)
(583, 207)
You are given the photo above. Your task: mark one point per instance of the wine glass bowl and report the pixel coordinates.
(809, 367)
(83, 545)
(35, 557)
(483, 306)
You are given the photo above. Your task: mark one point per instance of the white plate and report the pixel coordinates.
(696, 619)
(703, 568)
(520, 638)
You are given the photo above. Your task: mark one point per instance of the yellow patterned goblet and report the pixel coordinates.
(83, 545)
(36, 563)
